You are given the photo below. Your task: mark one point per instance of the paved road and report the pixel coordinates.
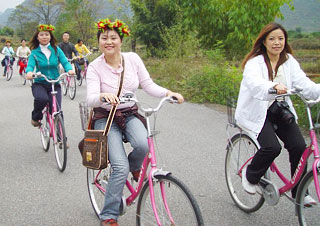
(192, 145)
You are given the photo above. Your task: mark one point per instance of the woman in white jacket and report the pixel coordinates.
(270, 65)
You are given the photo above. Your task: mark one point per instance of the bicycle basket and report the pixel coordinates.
(84, 114)
(231, 107)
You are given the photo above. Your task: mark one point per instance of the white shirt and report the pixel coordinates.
(23, 51)
(254, 98)
(45, 50)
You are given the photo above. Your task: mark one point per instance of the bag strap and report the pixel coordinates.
(114, 108)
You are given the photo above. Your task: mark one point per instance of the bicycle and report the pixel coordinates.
(23, 75)
(241, 149)
(163, 199)
(69, 84)
(83, 72)
(52, 126)
(9, 68)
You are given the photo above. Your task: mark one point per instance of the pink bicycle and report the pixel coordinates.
(68, 84)
(23, 75)
(83, 71)
(241, 149)
(163, 199)
(52, 125)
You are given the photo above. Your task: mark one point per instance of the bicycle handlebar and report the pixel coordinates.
(39, 75)
(294, 91)
(129, 97)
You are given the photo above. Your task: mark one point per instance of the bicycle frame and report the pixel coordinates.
(150, 158)
(312, 148)
(50, 117)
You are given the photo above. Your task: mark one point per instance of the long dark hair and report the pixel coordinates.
(34, 42)
(258, 48)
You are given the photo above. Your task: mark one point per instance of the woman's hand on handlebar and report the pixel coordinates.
(178, 96)
(71, 72)
(109, 98)
(29, 75)
(281, 89)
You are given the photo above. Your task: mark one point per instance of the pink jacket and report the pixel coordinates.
(102, 78)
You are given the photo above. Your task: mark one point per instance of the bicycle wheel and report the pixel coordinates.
(178, 199)
(79, 82)
(9, 73)
(97, 186)
(64, 86)
(23, 78)
(308, 215)
(241, 148)
(72, 88)
(60, 145)
(45, 133)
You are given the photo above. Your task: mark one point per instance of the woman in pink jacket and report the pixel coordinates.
(102, 83)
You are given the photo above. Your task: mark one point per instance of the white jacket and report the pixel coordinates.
(253, 97)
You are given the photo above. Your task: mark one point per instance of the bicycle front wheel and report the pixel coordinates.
(23, 78)
(64, 86)
(79, 82)
(60, 144)
(72, 88)
(45, 133)
(97, 181)
(9, 73)
(239, 151)
(308, 215)
(173, 198)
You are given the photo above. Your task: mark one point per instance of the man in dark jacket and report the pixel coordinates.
(68, 48)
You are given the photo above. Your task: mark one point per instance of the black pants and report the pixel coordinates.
(42, 96)
(293, 141)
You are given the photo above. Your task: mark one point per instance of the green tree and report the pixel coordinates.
(151, 17)
(234, 22)
(20, 17)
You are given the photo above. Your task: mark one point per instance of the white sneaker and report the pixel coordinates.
(309, 201)
(247, 186)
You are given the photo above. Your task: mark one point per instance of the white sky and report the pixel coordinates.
(5, 4)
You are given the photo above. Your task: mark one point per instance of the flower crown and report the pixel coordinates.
(118, 25)
(46, 27)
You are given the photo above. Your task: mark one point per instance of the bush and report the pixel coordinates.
(306, 43)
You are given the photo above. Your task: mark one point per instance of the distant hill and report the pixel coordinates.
(306, 16)
(4, 17)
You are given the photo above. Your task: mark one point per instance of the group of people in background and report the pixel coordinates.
(23, 52)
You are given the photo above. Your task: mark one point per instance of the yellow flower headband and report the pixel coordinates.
(118, 25)
(45, 27)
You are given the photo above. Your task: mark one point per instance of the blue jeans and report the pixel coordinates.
(136, 134)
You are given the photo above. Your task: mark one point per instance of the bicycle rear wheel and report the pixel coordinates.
(60, 144)
(180, 202)
(45, 133)
(241, 148)
(72, 88)
(308, 215)
(9, 73)
(97, 186)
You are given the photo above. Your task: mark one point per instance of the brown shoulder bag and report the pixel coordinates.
(95, 143)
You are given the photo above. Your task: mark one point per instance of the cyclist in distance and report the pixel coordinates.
(8, 52)
(23, 52)
(45, 57)
(68, 48)
(102, 84)
(82, 50)
(268, 65)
